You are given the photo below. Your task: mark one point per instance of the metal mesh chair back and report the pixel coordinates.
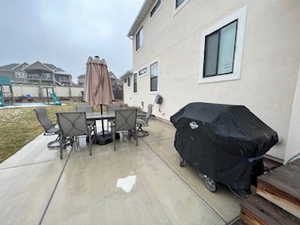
(72, 124)
(113, 107)
(84, 108)
(149, 113)
(125, 119)
(42, 116)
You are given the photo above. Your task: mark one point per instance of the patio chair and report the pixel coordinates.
(49, 127)
(113, 107)
(143, 121)
(86, 108)
(125, 121)
(72, 125)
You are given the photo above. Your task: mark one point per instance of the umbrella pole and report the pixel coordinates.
(102, 123)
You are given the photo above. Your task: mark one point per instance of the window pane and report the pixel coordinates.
(211, 54)
(179, 2)
(128, 82)
(154, 73)
(153, 84)
(227, 48)
(154, 70)
(139, 39)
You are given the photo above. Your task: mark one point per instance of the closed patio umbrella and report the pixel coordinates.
(98, 86)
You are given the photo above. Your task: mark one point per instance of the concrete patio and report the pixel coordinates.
(38, 188)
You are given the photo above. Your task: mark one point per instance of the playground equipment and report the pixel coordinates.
(51, 95)
(5, 81)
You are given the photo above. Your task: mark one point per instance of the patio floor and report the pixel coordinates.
(38, 188)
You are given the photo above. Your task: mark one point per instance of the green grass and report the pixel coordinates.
(20, 126)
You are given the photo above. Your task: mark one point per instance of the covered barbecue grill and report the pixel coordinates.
(224, 142)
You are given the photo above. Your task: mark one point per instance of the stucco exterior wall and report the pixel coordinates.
(269, 67)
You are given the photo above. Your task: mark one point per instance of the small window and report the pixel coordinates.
(143, 71)
(154, 9)
(135, 83)
(179, 2)
(139, 39)
(220, 51)
(128, 81)
(125, 80)
(154, 73)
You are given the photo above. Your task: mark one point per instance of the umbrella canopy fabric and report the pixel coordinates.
(98, 86)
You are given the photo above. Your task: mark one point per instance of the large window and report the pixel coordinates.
(135, 83)
(139, 39)
(154, 9)
(220, 51)
(179, 2)
(154, 73)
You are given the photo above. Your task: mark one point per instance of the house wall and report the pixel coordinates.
(293, 144)
(269, 66)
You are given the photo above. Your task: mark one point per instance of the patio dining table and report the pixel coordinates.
(106, 137)
(100, 116)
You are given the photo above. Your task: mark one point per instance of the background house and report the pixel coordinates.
(36, 73)
(81, 80)
(231, 52)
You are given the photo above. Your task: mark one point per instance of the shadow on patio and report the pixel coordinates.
(38, 188)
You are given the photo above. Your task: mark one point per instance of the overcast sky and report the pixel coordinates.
(66, 32)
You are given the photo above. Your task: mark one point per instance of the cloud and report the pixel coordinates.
(66, 32)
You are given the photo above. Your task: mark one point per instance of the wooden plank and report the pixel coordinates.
(258, 211)
(282, 187)
(248, 218)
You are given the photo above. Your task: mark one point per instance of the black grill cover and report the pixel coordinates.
(225, 142)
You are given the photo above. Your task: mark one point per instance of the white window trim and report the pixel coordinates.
(157, 10)
(179, 8)
(154, 92)
(241, 15)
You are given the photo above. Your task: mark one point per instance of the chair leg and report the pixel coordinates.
(136, 138)
(114, 140)
(90, 144)
(61, 146)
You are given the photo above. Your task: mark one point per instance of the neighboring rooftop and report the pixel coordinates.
(38, 66)
(9, 67)
(34, 66)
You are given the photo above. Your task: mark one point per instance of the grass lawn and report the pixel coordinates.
(20, 126)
